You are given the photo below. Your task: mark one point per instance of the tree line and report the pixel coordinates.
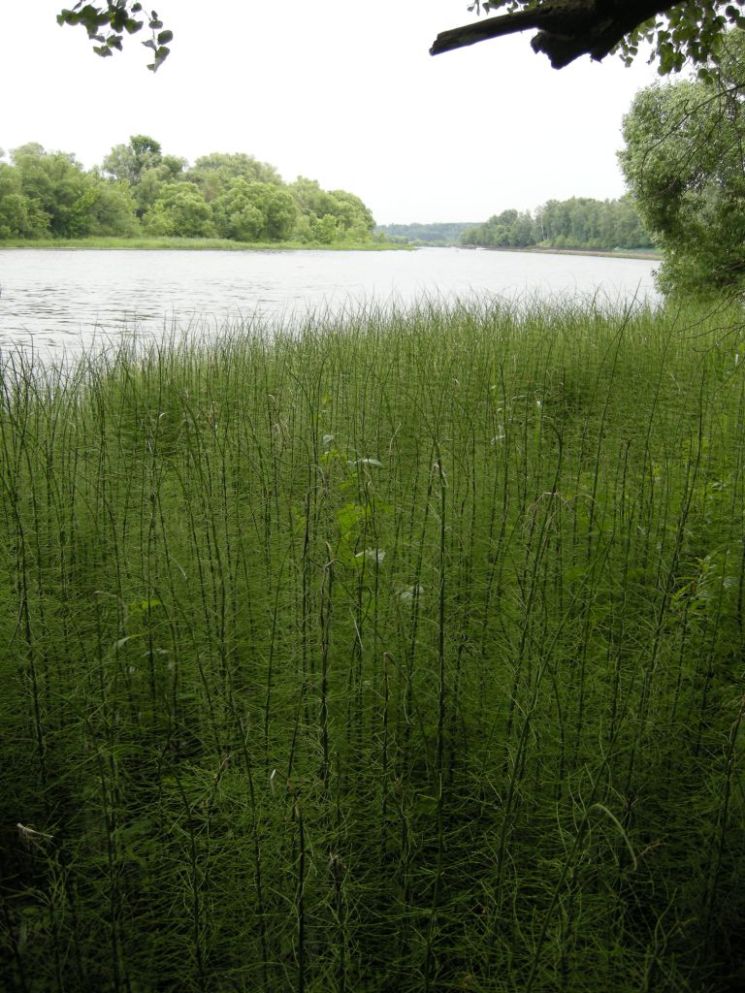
(580, 222)
(441, 233)
(138, 190)
(683, 164)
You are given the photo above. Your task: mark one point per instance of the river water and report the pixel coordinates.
(59, 301)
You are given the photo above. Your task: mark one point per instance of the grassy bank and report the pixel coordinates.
(609, 253)
(605, 253)
(400, 657)
(198, 244)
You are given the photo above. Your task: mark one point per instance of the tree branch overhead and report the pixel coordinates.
(566, 29)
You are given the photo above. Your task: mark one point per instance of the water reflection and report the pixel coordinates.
(64, 299)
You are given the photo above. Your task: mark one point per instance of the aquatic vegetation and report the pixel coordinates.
(399, 655)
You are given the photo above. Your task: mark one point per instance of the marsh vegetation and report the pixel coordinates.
(403, 654)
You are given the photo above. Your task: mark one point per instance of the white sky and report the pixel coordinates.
(345, 93)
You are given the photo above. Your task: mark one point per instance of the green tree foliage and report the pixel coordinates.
(448, 233)
(236, 213)
(108, 25)
(50, 195)
(215, 173)
(279, 209)
(113, 209)
(180, 210)
(353, 218)
(61, 200)
(327, 217)
(510, 229)
(20, 217)
(683, 162)
(254, 212)
(141, 164)
(128, 162)
(579, 222)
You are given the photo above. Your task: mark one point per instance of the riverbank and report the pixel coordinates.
(198, 244)
(226, 245)
(400, 654)
(594, 253)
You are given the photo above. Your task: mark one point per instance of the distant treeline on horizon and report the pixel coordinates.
(439, 233)
(579, 223)
(139, 191)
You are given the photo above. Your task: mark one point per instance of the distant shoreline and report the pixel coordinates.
(225, 245)
(194, 245)
(597, 252)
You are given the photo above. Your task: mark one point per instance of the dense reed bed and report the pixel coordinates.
(404, 656)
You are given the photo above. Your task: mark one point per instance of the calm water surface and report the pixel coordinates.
(58, 301)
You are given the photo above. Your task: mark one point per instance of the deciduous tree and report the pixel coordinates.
(128, 162)
(19, 217)
(142, 166)
(214, 173)
(180, 210)
(64, 201)
(683, 162)
(254, 211)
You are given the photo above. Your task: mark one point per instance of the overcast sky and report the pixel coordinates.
(340, 92)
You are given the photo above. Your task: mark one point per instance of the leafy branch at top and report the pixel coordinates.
(108, 25)
(679, 30)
